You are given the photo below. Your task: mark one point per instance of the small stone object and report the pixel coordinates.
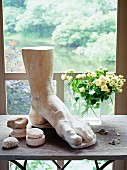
(114, 141)
(18, 133)
(35, 133)
(102, 132)
(118, 134)
(10, 142)
(18, 126)
(35, 137)
(18, 123)
(118, 141)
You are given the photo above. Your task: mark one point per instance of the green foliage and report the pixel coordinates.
(14, 3)
(18, 97)
(10, 18)
(68, 33)
(13, 57)
(69, 26)
(106, 6)
(37, 19)
(83, 30)
(104, 48)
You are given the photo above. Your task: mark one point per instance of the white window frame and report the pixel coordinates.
(121, 68)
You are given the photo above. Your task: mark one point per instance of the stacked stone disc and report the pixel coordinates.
(18, 127)
(35, 137)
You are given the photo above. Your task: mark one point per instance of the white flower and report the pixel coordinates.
(113, 75)
(88, 74)
(91, 92)
(102, 82)
(116, 84)
(105, 69)
(121, 83)
(79, 76)
(119, 90)
(108, 90)
(83, 75)
(93, 74)
(104, 88)
(120, 76)
(90, 84)
(107, 79)
(111, 83)
(70, 78)
(109, 75)
(102, 78)
(115, 78)
(97, 82)
(63, 77)
(82, 89)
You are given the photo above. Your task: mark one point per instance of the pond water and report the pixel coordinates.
(64, 57)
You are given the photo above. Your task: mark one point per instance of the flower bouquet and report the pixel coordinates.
(93, 87)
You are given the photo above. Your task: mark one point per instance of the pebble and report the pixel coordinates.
(102, 132)
(118, 134)
(114, 141)
(10, 142)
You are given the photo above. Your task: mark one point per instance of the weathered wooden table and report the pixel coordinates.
(56, 148)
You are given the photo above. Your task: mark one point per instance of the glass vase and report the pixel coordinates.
(93, 116)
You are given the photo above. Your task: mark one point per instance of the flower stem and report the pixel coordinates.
(111, 100)
(94, 111)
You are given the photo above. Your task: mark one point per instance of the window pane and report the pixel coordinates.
(82, 32)
(18, 96)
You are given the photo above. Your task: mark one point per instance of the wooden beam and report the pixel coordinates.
(121, 58)
(2, 68)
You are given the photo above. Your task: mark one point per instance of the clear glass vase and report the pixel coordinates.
(93, 116)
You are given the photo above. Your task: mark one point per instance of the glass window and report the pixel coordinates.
(82, 32)
(18, 96)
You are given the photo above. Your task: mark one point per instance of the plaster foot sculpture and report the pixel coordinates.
(46, 106)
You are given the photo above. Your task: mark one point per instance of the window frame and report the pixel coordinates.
(121, 60)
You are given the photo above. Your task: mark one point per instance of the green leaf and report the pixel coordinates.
(81, 85)
(82, 94)
(106, 97)
(93, 101)
(77, 98)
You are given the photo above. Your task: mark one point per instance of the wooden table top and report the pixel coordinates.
(56, 148)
